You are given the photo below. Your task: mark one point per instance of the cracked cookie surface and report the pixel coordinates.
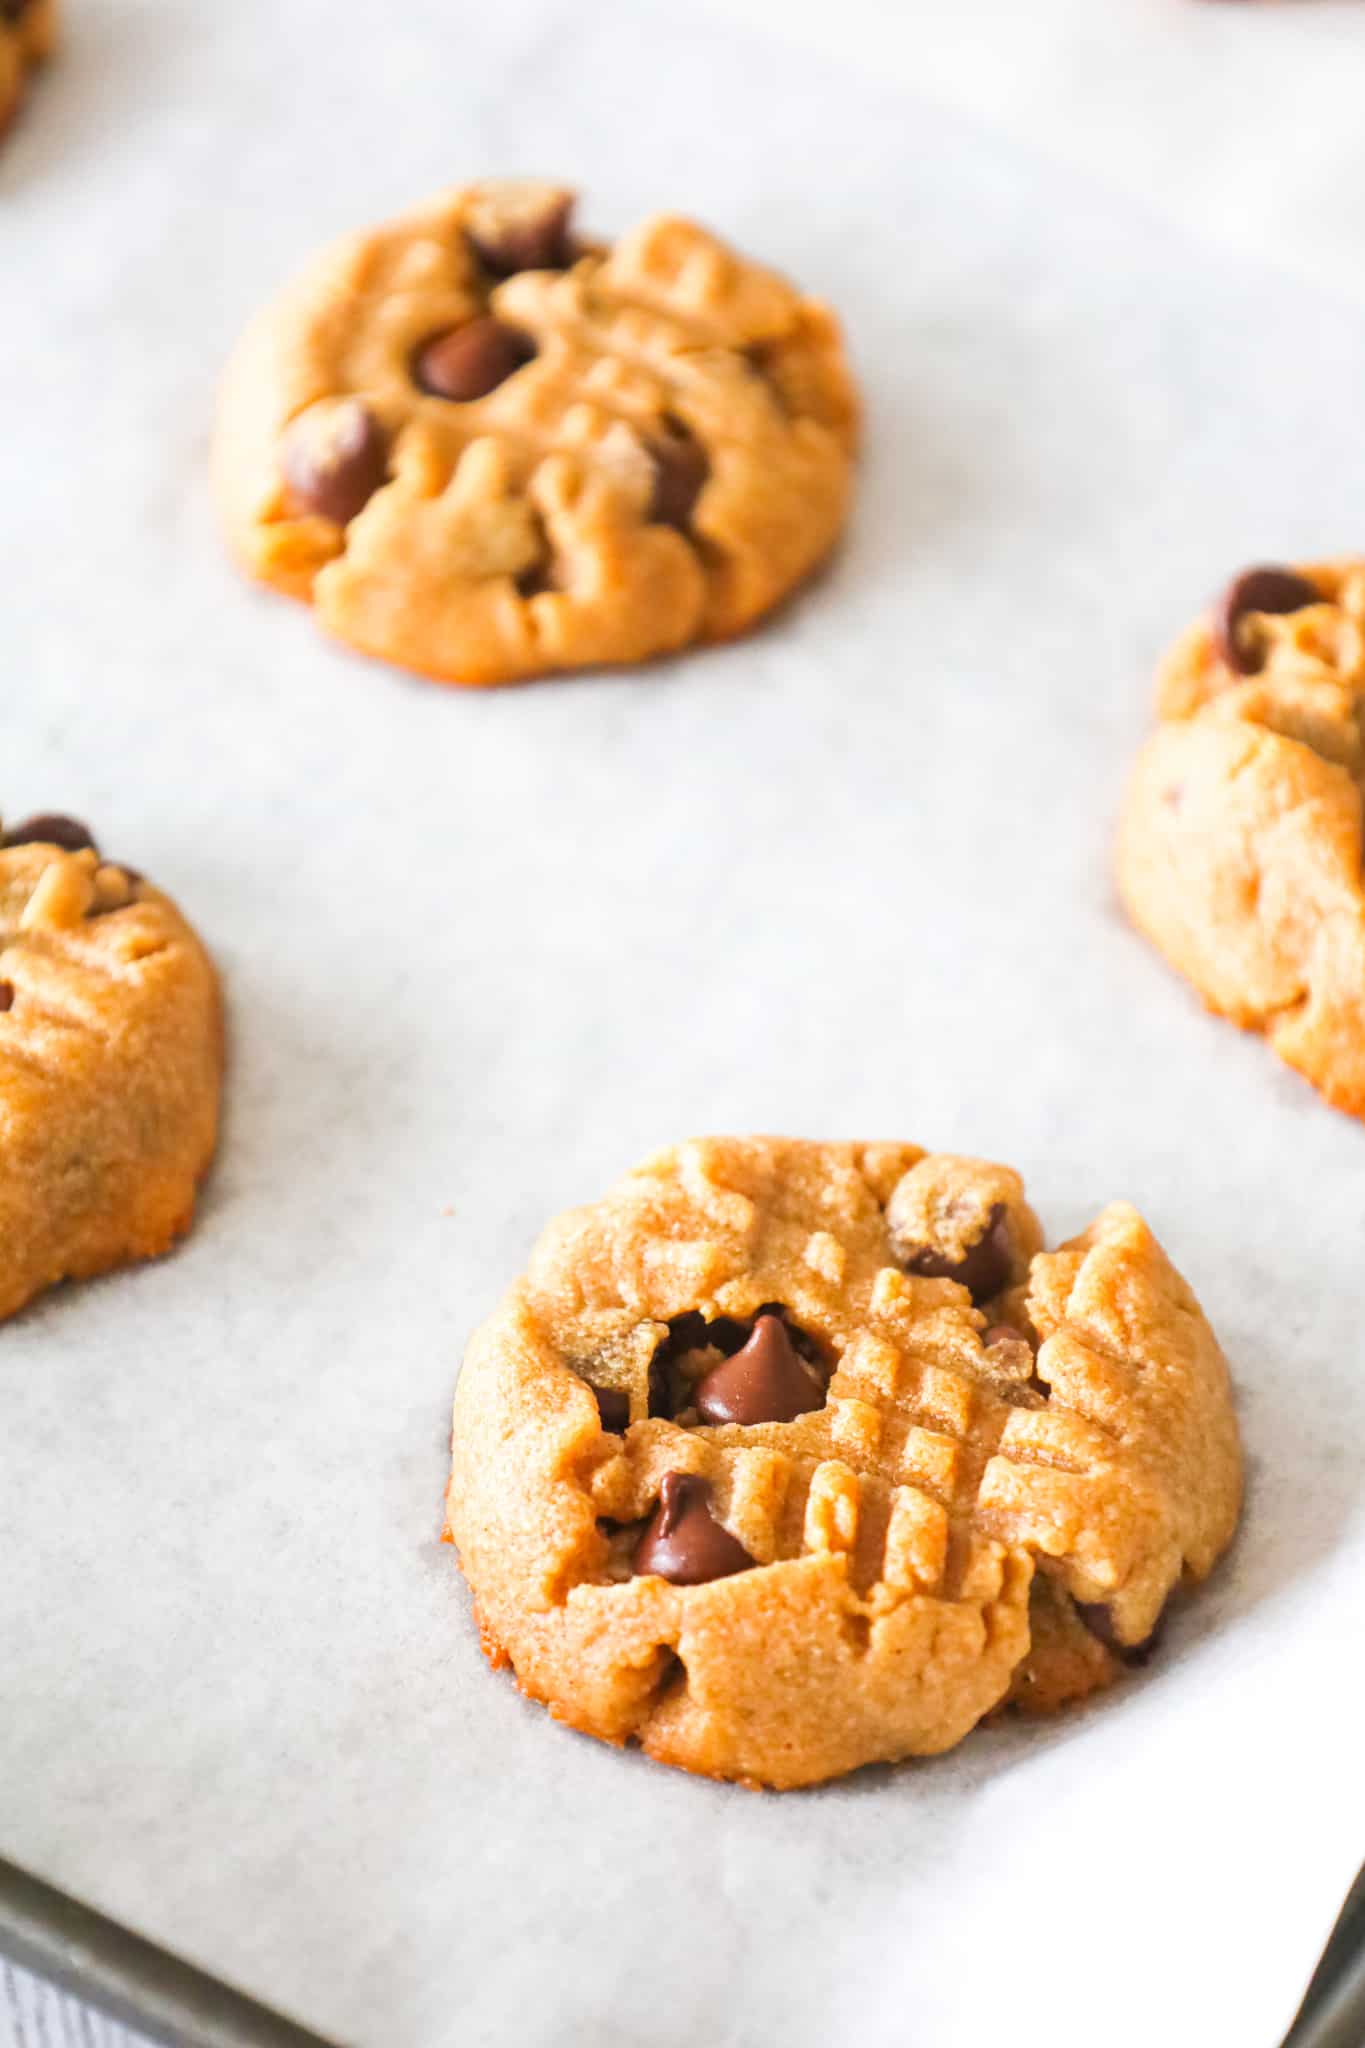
(957, 1469)
(486, 450)
(28, 36)
(110, 1062)
(1240, 847)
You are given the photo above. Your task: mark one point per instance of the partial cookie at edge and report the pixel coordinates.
(28, 37)
(1240, 846)
(110, 1065)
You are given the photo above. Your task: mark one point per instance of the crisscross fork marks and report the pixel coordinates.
(649, 447)
(895, 1531)
(109, 1067)
(924, 1480)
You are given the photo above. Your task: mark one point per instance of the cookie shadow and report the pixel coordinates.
(1272, 1550)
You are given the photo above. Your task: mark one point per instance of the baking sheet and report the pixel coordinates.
(483, 952)
(34, 2014)
(72, 1974)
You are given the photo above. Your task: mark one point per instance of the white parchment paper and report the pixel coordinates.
(482, 952)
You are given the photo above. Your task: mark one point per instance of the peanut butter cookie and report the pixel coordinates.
(787, 1457)
(28, 35)
(487, 450)
(110, 1060)
(1240, 847)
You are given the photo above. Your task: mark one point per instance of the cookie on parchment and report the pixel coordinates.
(28, 35)
(788, 1457)
(1240, 847)
(110, 1062)
(486, 449)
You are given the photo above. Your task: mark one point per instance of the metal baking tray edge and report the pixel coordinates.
(139, 1984)
(1333, 2011)
(130, 1979)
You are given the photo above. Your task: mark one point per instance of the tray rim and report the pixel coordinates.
(129, 1978)
(1333, 2011)
(146, 1987)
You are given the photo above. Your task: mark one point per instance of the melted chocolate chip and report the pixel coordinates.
(1100, 1622)
(680, 472)
(50, 828)
(468, 362)
(6, 995)
(614, 1408)
(1269, 589)
(14, 10)
(538, 240)
(684, 1542)
(335, 461)
(984, 1268)
(765, 1380)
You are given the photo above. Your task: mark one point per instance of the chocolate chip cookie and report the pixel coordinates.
(28, 35)
(487, 449)
(110, 1060)
(1240, 848)
(788, 1457)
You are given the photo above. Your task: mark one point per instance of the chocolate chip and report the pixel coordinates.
(533, 239)
(660, 1397)
(671, 1388)
(50, 828)
(684, 1542)
(668, 1389)
(335, 457)
(680, 472)
(14, 10)
(468, 362)
(614, 1408)
(6, 995)
(984, 1268)
(537, 580)
(1100, 1621)
(765, 1381)
(1270, 589)
(688, 1332)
